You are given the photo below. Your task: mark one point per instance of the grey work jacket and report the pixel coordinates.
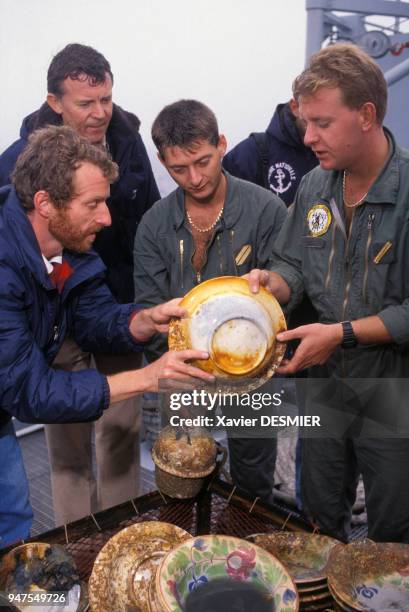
(354, 275)
(242, 240)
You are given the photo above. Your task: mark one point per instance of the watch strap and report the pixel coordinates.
(349, 339)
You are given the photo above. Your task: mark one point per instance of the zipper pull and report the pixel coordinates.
(56, 334)
(198, 277)
(181, 253)
(371, 218)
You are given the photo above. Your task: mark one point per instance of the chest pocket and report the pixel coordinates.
(312, 242)
(316, 262)
(169, 246)
(243, 259)
(376, 274)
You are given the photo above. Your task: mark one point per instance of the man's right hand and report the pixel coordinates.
(173, 366)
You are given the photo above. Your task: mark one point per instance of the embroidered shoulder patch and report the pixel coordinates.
(319, 219)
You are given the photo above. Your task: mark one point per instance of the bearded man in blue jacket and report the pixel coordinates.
(52, 284)
(79, 85)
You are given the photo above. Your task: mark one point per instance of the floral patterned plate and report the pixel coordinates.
(304, 554)
(205, 558)
(371, 576)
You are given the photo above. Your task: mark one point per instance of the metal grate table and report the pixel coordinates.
(219, 509)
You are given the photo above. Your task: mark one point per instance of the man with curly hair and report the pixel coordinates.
(79, 83)
(53, 284)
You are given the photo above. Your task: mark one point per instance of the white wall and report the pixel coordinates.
(237, 56)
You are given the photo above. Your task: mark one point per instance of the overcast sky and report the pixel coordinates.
(237, 56)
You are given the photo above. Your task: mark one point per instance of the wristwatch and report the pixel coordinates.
(348, 339)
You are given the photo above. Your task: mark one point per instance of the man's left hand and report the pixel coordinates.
(152, 320)
(318, 342)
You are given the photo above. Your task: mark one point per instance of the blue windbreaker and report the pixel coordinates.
(34, 320)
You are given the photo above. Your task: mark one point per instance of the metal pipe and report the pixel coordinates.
(315, 31)
(397, 72)
(28, 430)
(370, 7)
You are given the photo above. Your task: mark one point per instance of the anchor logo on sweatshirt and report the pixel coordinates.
(280, 177)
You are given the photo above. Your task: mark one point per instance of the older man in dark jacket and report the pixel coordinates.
(79, 84)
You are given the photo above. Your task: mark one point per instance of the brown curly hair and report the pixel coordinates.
(49, 162)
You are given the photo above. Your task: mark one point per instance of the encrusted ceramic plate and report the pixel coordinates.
(370, 576)
(40, 568)
(200, 560)
(127, 563)
(153, 602)
(341, 605)
(312, 588)
(305, 555)
(236, 327)
(310, 600)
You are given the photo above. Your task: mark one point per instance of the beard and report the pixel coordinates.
(72, 238)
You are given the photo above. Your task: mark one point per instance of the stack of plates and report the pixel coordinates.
(371, 576)
(125, 567)
(306, 557)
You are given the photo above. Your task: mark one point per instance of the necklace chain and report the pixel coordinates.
(355, 204)
(203, 230)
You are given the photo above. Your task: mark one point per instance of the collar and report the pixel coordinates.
(27, 247)
(49, 262)
(27, 250)
(123, 125)
(382, 191)
(232, 204)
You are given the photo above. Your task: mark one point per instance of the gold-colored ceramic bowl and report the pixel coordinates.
(236, 327)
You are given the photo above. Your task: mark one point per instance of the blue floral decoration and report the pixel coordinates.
(289, 596)
(365, 591)
(196, 582)
(200, 544)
